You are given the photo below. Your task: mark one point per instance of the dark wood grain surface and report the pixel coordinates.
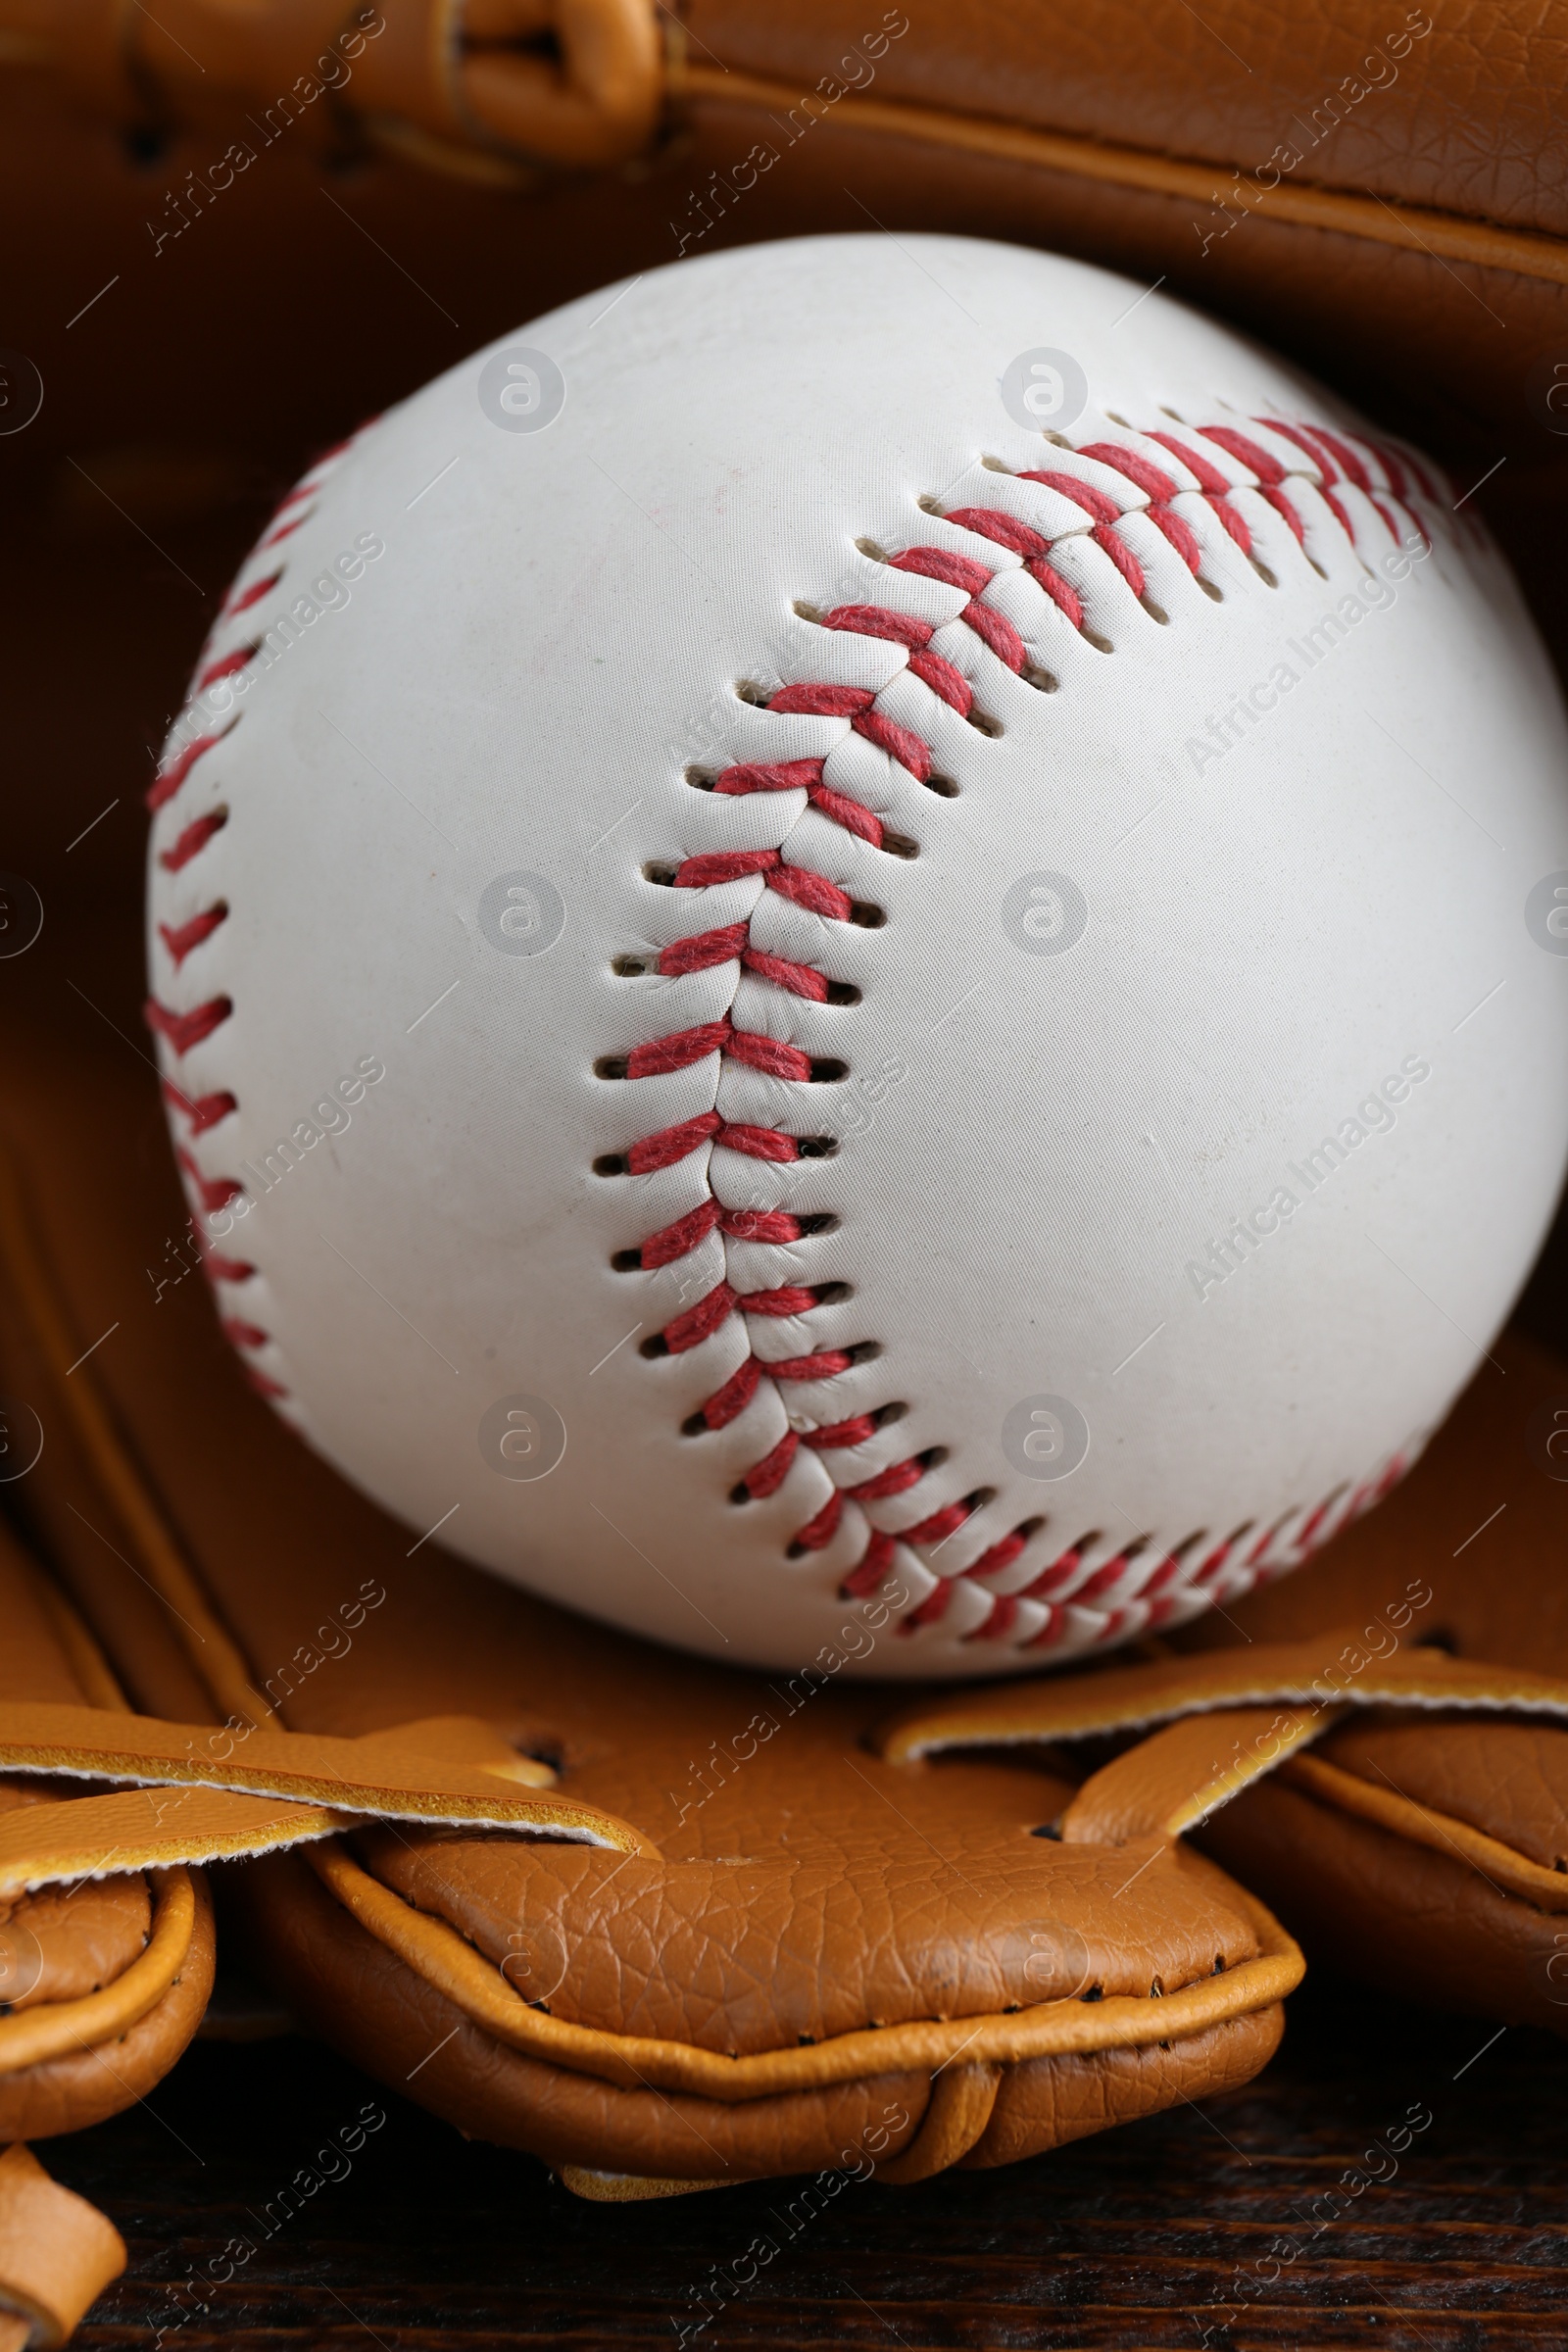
(1202, 2228)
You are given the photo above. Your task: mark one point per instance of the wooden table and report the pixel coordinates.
(1144, 2237)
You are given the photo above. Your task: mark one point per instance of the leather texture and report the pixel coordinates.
(1426, 1854)
(1419, 1844)
(1369, 291)
(57, 2255)
(1388, 186)
(845, 1927)
(1223, 86)
(103, 1982)
(436, 75)
(125, 1960)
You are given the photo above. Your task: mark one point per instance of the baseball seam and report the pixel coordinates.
(1142, 1585)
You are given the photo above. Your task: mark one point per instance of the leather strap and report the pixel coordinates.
(57, 2253)
(1510, 1872)
(1321, 1673)
(1414, 227)
(61, 2028)
(954, 2122)
(251, 1790)
(1177, 1777)
(460, 75)
(599, 106)
(146, 1829)
(1230, 1716)
(448, 80)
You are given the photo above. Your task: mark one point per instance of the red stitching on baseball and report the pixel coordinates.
(1330, 457)
(194, 838)
(252, 595)
(181, 1031)
(167, 781)
(181, 938)
(731, 944)
(227, 665)
(202, 1110)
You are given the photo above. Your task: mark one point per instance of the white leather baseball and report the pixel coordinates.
(1178, 1074)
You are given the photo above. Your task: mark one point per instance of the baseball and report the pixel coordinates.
(859, 954)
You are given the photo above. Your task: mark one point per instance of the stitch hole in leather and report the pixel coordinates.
(866, 917)
(631, 968)
(984, 724)
(748, 690)
(701, 779)
(613, 1065)
(817, 1146)
(1042, 680)
(627, 1262)
(842, 992)
(1268, 578)
(1216, 596)
(659, 870)
(1159, 612)
(944, 787)
(898, 845)
(829, 1072)
(874, 548)
(611, 1163)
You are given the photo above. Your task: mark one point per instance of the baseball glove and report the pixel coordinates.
(659, 1922)
(738, 1927)
(1409, 1691)
(103, 1977)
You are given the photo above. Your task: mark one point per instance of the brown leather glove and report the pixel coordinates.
(1421, 1839)
(788, 1912)
(712, 1935)
(1426, 1851)
(1374, 191)
(103, 1978)
(125, 1960)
